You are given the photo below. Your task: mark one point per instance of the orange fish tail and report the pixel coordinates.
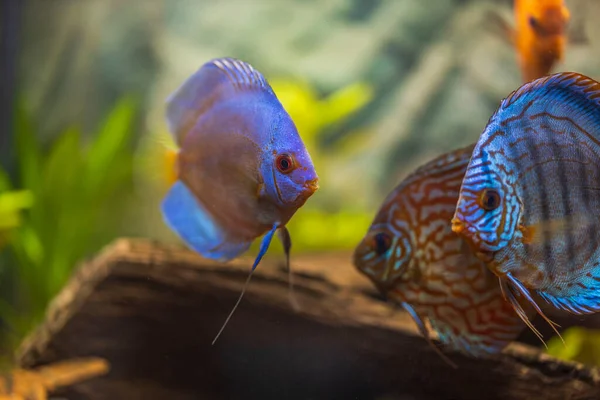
(170, 166)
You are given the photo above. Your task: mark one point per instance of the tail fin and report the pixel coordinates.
(155, 165)
(184, 214)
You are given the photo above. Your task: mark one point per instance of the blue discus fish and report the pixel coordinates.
(530, 200)
(242, 168)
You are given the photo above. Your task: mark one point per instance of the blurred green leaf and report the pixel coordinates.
(110, 141)
(312, 114)
(346, 101)
(11, 204)
(570, 348)
(4, 181)
(62, 167)
(580, 344)
(61, 198)
(28, 151)
(315, 230)
(32, 246)
(78, 192)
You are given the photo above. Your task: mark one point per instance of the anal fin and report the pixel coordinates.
(582, 298)
(184, 214)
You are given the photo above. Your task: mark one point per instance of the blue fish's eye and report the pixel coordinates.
(382, 243)
(285, 163)
(489, 199)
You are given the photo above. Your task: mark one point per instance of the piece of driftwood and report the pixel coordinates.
(152, 311)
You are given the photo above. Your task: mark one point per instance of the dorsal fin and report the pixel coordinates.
(574, 87)
(241, 74)
(215, 80)
(443, 164)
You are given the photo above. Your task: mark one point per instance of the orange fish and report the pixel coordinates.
(540, 35)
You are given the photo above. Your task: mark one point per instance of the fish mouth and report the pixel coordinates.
(458, 226)
(311, 186)
(308, 188)
(357, 256)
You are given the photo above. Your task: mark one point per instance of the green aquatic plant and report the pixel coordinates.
(313, 114)
(319, 226)
(581, 344)
(12, 203)
(74, 191)
(318, 230)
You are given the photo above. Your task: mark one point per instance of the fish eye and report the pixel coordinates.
(533, 21)
(382, 242)
(489, 199)
(284, 163)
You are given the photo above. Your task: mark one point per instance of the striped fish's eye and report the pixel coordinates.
(382, 242)
(489, 199)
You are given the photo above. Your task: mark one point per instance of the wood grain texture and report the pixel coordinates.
(152, 310)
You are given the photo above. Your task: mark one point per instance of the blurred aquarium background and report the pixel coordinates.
(376, 88)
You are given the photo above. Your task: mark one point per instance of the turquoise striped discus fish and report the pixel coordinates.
(412, 256)
(242, 168)
(530, 199)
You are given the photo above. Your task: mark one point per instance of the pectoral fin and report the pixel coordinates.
(264, 246)
(423, 329)
(286, 241)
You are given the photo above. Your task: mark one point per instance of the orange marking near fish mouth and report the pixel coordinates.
(312, 185)
(308, 189)
(528, 234)
(457, 225)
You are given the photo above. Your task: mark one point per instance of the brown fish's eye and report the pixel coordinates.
(285, 163)
(489, 200)
(382, 243)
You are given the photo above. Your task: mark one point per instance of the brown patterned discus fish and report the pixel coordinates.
(411, 254)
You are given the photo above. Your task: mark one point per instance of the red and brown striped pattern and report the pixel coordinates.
(411, 254)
